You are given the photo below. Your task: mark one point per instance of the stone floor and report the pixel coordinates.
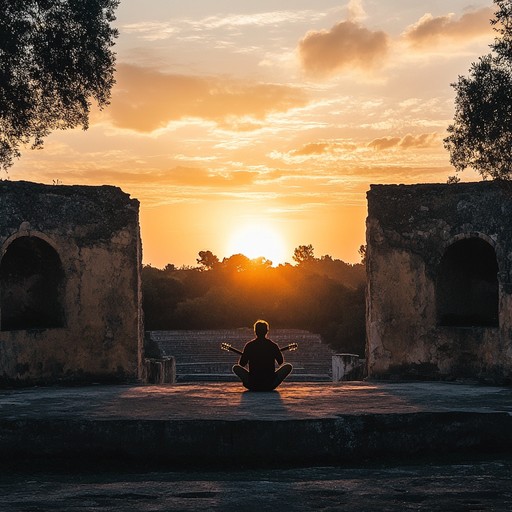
(214, 423)
(420, 485)
(350, 446)
(229, 401)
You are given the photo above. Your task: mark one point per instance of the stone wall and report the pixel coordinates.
(439, 301)
(69, 284)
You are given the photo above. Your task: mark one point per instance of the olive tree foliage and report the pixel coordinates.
(56, 57)
(481, 134)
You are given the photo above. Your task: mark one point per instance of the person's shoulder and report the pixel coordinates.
(250, 343)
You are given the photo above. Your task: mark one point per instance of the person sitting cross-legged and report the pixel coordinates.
(261, 354)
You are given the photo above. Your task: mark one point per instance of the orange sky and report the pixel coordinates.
(227, 115)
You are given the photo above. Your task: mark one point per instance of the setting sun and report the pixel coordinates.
(257, 240)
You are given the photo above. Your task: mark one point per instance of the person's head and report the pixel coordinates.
(261, 328)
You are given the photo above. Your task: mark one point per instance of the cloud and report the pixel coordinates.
(261, 19)
(146, 100)
(184, 178)
(356, 10)
(314, 148)
(329, 150)
(430, 30)
(323, 148)
(383, 143)
(423, 140)
(150, 30)
(186, 28)
(346, 45)
(205, 178)
(345, 151)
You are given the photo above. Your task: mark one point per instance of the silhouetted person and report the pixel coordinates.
(261, 354)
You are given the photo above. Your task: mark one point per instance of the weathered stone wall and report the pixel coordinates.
(409, 230)
(96, 332)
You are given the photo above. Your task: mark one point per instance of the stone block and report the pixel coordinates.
(439, 261)
(161, 371)
(70, 284)
(346, 367)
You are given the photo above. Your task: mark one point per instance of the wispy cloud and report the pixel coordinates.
(146, 100)
(323, 148)
(151, 30)
(258, 19)
(356, 10)
(183, 27)
(431, 30)
(344, 152)
(424, 140)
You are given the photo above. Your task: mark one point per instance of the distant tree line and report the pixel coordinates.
(322, 295)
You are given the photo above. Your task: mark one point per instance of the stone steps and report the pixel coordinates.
(199, 356)
(230, 377)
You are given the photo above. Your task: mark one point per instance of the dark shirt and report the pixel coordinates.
(261, 354)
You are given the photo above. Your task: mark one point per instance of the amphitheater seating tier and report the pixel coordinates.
(199, 357)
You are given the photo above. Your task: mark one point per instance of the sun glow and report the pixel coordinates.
(257, 240)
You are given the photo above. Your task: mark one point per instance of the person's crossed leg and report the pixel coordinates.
(279, 375)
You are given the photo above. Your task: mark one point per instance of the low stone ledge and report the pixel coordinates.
(347, 438)
(347, 367)
(160, 370)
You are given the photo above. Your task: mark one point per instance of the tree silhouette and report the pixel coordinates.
(55, 56)
(207, 260)
(236, 263)
(481, 134)
(303, 254)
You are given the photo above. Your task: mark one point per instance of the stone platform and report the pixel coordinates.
(217, 424)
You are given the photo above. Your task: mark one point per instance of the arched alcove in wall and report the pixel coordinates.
(31, 285)
(467, 285)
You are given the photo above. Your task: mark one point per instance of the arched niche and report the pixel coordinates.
(467, 285)
(31, 285)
